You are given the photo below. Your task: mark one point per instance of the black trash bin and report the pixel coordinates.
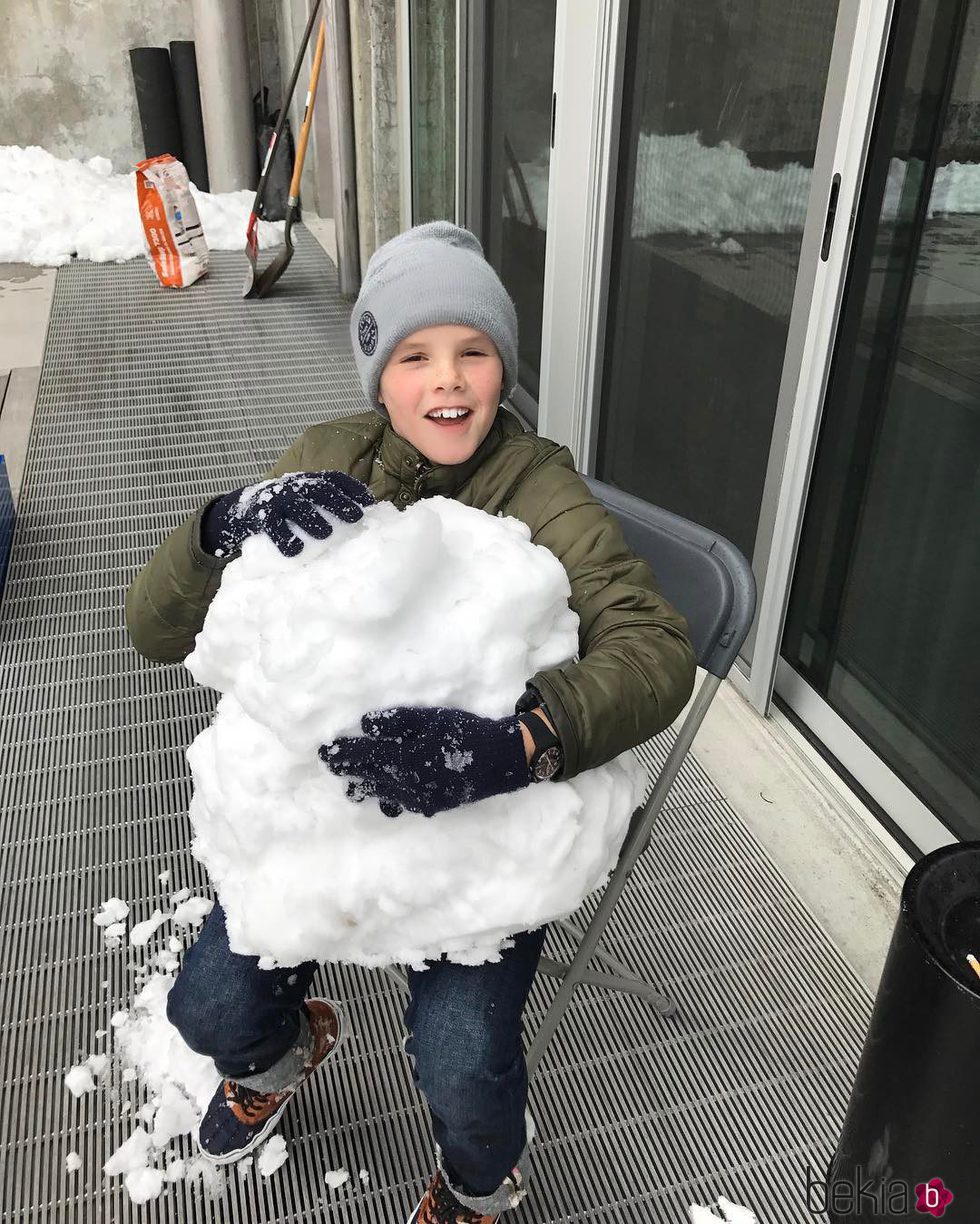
(911, 1135)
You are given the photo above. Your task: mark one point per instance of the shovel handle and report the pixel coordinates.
(304, 135)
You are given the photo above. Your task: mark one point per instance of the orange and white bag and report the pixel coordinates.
(172, 232)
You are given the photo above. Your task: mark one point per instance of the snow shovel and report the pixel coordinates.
(257, 284)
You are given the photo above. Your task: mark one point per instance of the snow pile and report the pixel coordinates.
(52, 208)
(731, 1213)
(955, 189)
(179, 1082)
(111, 911)
(111, 919)
(151, 1060)
(81, 1079)
(273, 1156)
(682, 187)
(439, 604)
(149, 1044)
(686, 187)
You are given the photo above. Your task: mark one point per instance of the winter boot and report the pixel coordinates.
(438, 1205)
(239, 1118)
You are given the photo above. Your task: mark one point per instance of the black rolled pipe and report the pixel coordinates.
(183, 62)
(157, 101)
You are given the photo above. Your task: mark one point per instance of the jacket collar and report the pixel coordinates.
(403, 460)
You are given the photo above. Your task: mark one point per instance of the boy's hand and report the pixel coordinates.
(272, 506)
(429, 759)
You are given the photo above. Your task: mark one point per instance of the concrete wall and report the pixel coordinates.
(374, 72)
(67, 84)
(434, 110)
(265, 68)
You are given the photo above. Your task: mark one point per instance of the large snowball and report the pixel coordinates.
(439, 604)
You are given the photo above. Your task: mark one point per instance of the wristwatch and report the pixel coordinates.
(547, 757)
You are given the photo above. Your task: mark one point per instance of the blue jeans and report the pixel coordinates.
(464, 1044)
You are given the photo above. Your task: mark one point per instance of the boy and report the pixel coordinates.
(434, 335)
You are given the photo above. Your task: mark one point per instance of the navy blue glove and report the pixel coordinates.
(273, 505)
(430, 759)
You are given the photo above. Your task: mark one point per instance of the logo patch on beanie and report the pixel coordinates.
(367, 333)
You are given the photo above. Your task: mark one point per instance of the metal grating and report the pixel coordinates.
(149, 403)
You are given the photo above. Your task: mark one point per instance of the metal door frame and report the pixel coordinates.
(470, 92)
(856, 68)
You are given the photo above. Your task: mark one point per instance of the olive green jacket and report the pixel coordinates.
(636, 666)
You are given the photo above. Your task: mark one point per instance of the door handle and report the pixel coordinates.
(828, 225)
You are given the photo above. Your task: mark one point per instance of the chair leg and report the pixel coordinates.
(636, 841)
(628, 983)
(665, 1006)
(622, 971)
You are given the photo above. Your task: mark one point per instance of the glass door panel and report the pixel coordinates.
(721, 112)
(884, 611)
(519, 66)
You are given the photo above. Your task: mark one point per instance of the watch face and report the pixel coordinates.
(548, 763)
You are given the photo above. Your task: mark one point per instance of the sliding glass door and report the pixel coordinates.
(509, 66)
(721, 112)
(884, 613)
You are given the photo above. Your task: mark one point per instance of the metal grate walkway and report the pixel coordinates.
(149, 403)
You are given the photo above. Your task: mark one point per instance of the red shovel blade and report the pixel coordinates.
(252, 252)
(264, 280)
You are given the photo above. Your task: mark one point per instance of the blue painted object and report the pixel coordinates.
(7, 517)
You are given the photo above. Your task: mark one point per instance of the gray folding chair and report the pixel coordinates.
(707, 579)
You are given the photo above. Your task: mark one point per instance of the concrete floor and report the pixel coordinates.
(829, 847)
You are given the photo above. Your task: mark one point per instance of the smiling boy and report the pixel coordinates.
(460, 367)
(434, 334)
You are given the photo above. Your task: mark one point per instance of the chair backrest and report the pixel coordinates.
(703, 575)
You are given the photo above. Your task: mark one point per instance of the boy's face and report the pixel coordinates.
(443, 367)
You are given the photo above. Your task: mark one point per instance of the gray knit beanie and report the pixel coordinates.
(429, 275)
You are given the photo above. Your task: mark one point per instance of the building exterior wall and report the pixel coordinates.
(374, 71)
(262, 19)
(67, 83)
(433, 60)
(68, 86)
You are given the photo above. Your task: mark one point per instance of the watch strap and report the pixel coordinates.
(544, 739)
